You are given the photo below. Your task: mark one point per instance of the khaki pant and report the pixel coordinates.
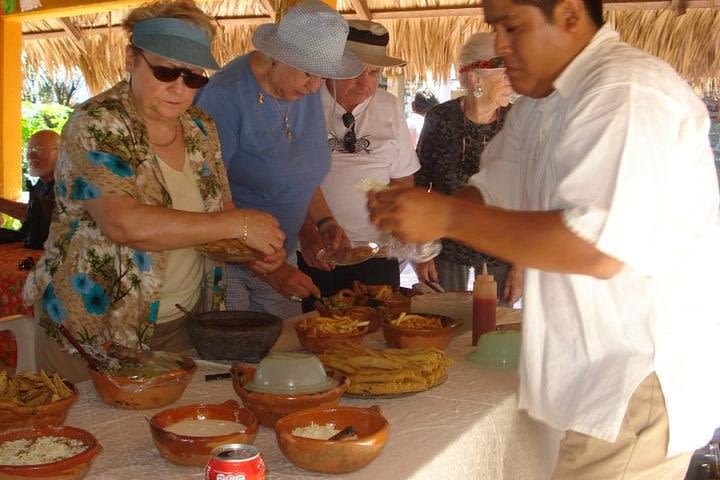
(49, 355)
(638, 453)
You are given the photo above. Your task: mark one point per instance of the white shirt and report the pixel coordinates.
(621, 148)
(384, 152)
(415, 124)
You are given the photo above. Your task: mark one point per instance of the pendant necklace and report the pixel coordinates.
(285, 119)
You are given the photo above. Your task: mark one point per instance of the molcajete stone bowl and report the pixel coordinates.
(234, 335)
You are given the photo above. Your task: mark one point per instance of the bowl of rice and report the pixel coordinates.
(304, 438)
(58, 453)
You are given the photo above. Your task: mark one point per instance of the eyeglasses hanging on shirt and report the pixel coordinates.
(349, 140)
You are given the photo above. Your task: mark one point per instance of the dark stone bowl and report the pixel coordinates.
(234, 335)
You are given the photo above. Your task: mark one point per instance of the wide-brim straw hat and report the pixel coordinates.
(310, 37)
(369, 41)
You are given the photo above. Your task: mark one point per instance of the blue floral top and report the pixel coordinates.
(98, 289)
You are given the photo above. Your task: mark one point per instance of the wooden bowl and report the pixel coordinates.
(14, 416)
(322, 342)
(143, 393)
(399, 337)
(373, 316)
(270, 407)
(192, 450)
(71, 468)
(341, 456)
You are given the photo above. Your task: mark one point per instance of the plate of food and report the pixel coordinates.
(357, 253)
(229, 250)
(390, 372)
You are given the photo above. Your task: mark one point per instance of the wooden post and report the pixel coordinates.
(10, 108)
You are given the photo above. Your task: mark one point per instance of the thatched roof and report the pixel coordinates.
(427, 33)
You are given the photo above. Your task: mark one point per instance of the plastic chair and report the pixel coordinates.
(23, 327)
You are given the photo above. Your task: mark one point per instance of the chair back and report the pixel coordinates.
(23, 331)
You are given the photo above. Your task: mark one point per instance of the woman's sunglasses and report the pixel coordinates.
(167, 74)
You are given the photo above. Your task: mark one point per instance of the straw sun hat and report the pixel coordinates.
(310, 37)
(369, 41)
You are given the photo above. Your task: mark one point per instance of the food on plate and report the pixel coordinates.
(318, 432)
(126, 362)
(33, 389)
(332, 325)
(206, 427)
(390, 371)
(419, 322)
(39, 450)
(229, 249)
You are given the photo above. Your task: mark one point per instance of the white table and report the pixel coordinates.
(467, 428)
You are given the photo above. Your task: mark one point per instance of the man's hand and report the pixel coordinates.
(413, 215)
(291, 282)
(310, 244)
(427, 272)
(514, 283)
(270, 263)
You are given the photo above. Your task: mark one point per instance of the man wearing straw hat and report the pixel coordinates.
(602, 183)
(369, 140)
(269, 117)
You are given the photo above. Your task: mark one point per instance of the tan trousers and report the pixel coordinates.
(638, 453)
(170, 337)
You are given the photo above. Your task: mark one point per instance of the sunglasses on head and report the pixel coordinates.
(349, 140)
(170, 74)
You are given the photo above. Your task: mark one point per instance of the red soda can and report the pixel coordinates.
(235, 461)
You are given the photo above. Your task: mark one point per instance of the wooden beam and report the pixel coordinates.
(72, 8)
(362, 9)
(10, 108)
(71, 28)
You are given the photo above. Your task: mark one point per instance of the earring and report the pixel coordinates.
(478, 92)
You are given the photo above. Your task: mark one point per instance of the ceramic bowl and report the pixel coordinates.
(403, 337)
(269, 407)
(234, 335)
(143, 393)
(321, 342)
(341, 456)
(14, 416)
(193, 450)
(71, 468)
(373, 316)
(497, 350)
(290, 373)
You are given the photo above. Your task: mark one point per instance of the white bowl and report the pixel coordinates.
(290, 373)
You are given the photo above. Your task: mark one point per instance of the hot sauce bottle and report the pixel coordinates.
(484, 304)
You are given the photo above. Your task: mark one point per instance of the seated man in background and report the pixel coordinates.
(36, 214)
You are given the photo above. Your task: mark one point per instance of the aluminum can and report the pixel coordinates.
(235, 461)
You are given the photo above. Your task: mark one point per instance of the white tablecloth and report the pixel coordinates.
(467, 428)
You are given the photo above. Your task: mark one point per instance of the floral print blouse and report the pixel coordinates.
(98, 289)
(449, 150)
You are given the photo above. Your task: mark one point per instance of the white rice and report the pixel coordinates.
(40, 450)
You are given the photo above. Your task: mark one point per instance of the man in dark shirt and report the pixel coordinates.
(37, 213)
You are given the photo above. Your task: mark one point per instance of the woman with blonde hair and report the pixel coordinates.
(452, 139)
(140, 182)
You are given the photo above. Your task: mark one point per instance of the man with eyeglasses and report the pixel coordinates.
(35, 215)
(369, 141)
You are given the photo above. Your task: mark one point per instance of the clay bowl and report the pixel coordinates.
(234, 335)
(321, 341)
(270, 407)
(143, 393)
(341, 456)
(14, 416)
(71, 468)
(402, 337)
(193, 450)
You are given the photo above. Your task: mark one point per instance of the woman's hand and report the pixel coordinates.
(514, 283)
(333, 237)
(291, 282)
(270, 263)
(261, 231)
(427, 272)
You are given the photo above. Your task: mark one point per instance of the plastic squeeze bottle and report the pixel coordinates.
(484, 304)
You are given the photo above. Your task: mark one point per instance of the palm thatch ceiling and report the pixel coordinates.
(428, 33)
